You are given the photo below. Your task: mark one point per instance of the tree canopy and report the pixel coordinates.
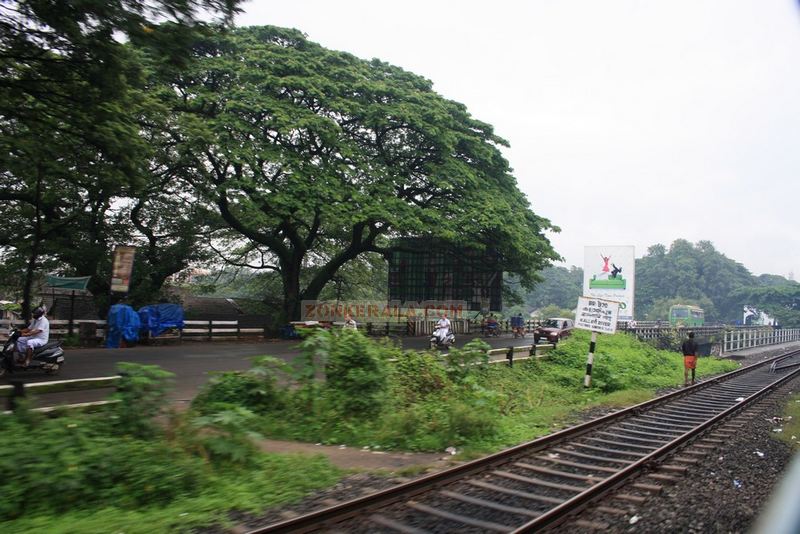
(309, 158)
(70, 123)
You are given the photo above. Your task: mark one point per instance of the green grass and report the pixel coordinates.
(430, 404)
(275, 480)
(791, 423)
(542, 396)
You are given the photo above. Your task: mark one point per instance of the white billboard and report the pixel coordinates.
(609, 274)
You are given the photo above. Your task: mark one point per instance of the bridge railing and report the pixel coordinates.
(746, 338)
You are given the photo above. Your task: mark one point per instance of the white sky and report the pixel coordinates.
(630, 122)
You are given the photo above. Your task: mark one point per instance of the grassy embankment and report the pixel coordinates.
(119, 472)
(422, 402)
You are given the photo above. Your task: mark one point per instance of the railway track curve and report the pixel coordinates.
(538, 484)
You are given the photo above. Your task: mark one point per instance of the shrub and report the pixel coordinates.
(417, 375)
(463, 362)
(65, 463)
(141, 393)
(255, 389)
(356, 374)
(223, 437)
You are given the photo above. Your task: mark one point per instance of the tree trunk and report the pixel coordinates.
(30, 270)
(290, 273)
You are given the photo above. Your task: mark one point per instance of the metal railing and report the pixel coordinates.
(19, 389)
(756, 337)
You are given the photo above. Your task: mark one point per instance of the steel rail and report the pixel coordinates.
(329, 516)
(572, 505)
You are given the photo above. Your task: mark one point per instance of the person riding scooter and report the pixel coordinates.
(442, 335)
(492, 326)
(35, 335)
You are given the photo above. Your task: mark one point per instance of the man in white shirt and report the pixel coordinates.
(36, 335)
(444, 322)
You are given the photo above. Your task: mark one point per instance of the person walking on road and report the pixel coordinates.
(689, 349)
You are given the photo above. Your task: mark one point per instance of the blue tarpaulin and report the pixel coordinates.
(158, 318)
(123, 323)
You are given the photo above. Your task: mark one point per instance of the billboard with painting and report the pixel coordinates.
(609, 274)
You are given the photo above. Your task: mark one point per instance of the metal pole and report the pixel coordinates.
(587, 380)
(71, 312)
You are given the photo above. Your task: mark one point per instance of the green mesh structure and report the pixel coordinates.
(421, 270)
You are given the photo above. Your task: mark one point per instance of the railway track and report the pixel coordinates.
(539, 484)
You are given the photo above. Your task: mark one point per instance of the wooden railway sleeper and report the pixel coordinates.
(586, 467)
(606, 450)
(650, 432)
(595, 458)
(590, 479)
(457, 518)
(633, 438)
(516, 493)
(490, 504)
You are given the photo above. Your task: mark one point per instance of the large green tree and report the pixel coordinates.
(313, 157)
(70, 119)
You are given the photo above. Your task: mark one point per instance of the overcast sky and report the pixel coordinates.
(630, 122)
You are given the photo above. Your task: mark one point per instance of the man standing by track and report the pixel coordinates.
(689, 349)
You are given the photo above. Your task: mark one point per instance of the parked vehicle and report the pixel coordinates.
(442, 338)
(48, 358)
(686, 315)
(553, 330)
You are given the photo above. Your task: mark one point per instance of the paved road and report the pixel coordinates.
(191, 362)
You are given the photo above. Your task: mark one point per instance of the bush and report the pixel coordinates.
(463, 362)
(418, 375)
(142, 393)
(65, 463)
(356, 373)
(224, 438)
(255, 389)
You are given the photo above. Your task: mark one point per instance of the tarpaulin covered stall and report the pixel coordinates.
(123, 324)
(158, 318)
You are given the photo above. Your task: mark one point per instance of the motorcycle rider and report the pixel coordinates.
(36, 335)
(443, 322)
(442, 327)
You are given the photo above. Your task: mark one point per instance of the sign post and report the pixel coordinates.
(596, 315)
(122, 268)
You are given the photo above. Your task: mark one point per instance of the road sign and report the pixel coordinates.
(597, 315)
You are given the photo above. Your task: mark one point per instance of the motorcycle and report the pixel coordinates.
(492, 330)
(442, 338)
(49, 357)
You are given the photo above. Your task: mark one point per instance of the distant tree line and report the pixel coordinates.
(684, 273)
